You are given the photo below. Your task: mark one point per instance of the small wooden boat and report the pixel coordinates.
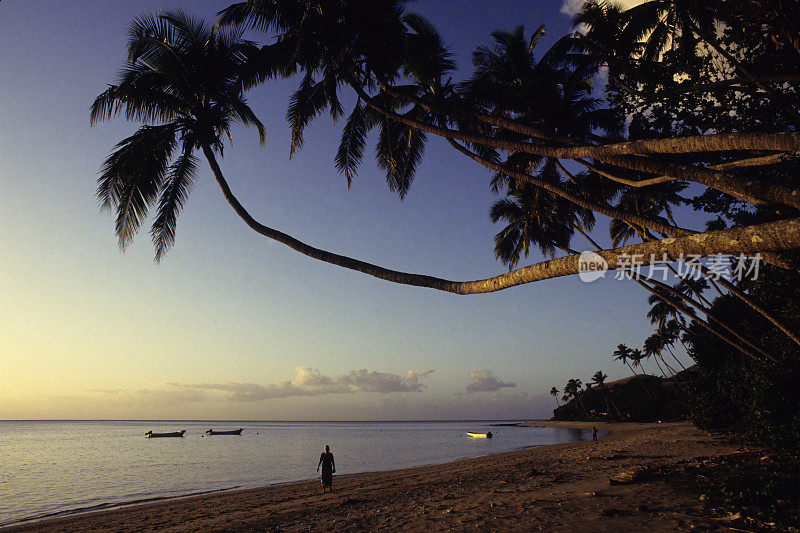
(151, 435)
(487, 435)
(231, 432)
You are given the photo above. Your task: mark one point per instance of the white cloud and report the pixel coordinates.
(307, 381)
(305, 376)
(485, 381)
(373, 381)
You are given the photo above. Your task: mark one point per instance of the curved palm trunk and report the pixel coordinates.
(603, 209)
(672, 372)
(702, 323)
(779, 235)
(750, 191)
(712, 317)
(583, 407)
(663, 374)
(755, 306)
(675, 357)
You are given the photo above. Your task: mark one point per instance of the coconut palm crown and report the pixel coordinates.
(185, 82)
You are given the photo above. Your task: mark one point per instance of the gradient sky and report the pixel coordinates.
(231, 325)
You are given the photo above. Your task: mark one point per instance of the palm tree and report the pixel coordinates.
(623, 353)
(636, 358)
(534, 217)
(185, 80)
(653, 345)
(554, 393)
(671, 332)
(599, 378)
(572, 390)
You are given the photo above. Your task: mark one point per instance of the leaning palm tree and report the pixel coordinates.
(185, 80)
(653, 345)
(534, 217)
(554, 393)
(623, 354)
(599, 378)
(572, 390)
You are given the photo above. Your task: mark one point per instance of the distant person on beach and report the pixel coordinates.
(328, 468)
(594, 434)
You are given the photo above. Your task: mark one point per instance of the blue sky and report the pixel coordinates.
(230, 325)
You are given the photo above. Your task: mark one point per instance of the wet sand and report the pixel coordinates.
(554, 488)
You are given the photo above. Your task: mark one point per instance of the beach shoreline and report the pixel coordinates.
(556, 487)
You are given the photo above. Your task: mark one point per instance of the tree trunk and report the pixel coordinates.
(750, 191)
(781, 235)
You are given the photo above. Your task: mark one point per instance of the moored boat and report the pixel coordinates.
(151, 435)
(487, 435)
(231, 432)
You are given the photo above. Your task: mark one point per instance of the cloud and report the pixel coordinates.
(373, 381)
(166, 393)
(305, 376)
(484, 381)
(307, 381)
(572, 7)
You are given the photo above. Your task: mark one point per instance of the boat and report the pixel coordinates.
(231, 432)
(487, 435)
(151, 435)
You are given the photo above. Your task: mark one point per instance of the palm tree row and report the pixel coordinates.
(573, 390)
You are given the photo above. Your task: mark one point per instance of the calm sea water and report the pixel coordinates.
(51, 468)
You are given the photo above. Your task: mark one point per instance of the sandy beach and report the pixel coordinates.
(555, 488)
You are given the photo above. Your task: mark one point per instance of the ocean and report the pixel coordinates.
(52, 468)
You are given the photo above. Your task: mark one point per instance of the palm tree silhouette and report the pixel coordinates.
(185, 81)
(572, 390)
(623, 353)
(599, 378)
(554, 393)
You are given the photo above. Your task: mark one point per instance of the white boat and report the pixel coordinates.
(480, 435)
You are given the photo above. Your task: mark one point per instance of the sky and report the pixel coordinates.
(232, 326)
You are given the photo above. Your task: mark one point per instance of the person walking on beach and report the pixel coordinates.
(594, 434)
(328, 468)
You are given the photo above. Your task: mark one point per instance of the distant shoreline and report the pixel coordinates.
(556, 486)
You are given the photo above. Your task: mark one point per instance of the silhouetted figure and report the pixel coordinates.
(328, 468)
(489, 435)
(594, 435)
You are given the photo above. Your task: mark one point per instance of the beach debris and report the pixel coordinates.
(703, 497)
(627, 477)
(732, 517)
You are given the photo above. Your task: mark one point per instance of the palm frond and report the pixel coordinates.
(245, 116)
(174, 192)
(133, 174)
(351, 147)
